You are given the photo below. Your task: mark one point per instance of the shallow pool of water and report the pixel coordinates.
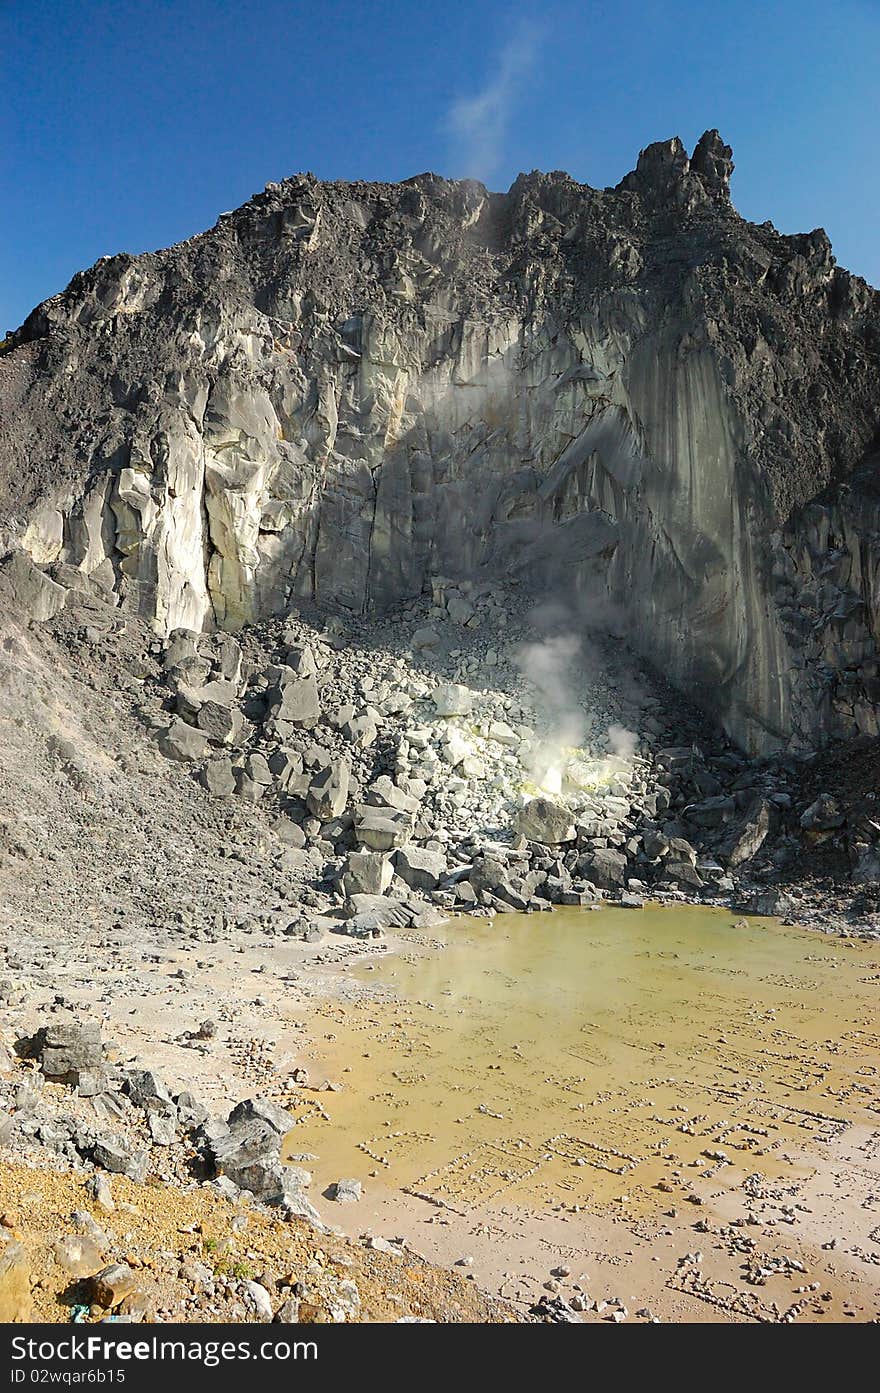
(586, 1058)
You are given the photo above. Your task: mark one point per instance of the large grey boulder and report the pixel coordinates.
(286, 767)
(301, 661)
(378, 909)
(148, 1091)
(747, 836)
(420, 869)
(294, 700)
(384, 793)
(382, 829)
(604, 867)
(30, 593)
(452, 699)
(218, 777)
(182, 742)
(328, 792)
(120, 1156)
(247, 1149)
(67, 1049)
(544, 821)
(221, 724)
(367, 873)
(361, 730)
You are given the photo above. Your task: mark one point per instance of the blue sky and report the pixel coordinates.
(127, 126)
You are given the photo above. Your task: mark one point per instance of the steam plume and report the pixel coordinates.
(479, 123)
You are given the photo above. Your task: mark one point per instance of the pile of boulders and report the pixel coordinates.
(402, 795)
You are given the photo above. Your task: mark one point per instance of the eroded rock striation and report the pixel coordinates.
(342, 392)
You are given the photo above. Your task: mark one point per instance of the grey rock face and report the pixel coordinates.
(343, 391)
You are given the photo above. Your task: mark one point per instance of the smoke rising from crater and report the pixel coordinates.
(548, 665)
(622, 742)
(478, 124)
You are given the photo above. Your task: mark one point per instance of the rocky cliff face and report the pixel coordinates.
(630, 397)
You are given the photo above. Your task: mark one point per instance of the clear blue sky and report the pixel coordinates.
(128, 126)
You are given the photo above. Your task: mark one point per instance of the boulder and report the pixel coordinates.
(383, 793)
(604, 867)
(382, 829)
(294, 700)
(222, 724)
(247, 1148)
(301, 660)
(256, 766)
(502, 734)
(361, 730)
(190, 1112)
(30, 593)
(711, 812)
(421, 870)
(655, 844)
(15, 1282)
(257, 1299)
(218, 778)
(254, 779)
(163, 1131)
(545, 822)
(681, 850)
(683, 872)
(366, 873)
(146, 1090)
(226, 651)
(767, 903)
(747, 837)
(379, 909)
(66, 1049)
(346, 1191)
(823, 816)
(182, 742)
(286, 767)
(866, 863)
(112, 1284)
(119, 1157)
(78, 1254)
(192, 696)
(451, 699)
(328, 791)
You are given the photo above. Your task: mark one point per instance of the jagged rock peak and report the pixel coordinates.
(664, 170)
(713, 161)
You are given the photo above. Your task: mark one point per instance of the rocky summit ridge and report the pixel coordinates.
(630, 398)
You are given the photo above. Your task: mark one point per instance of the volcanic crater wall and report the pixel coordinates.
(630, 397)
